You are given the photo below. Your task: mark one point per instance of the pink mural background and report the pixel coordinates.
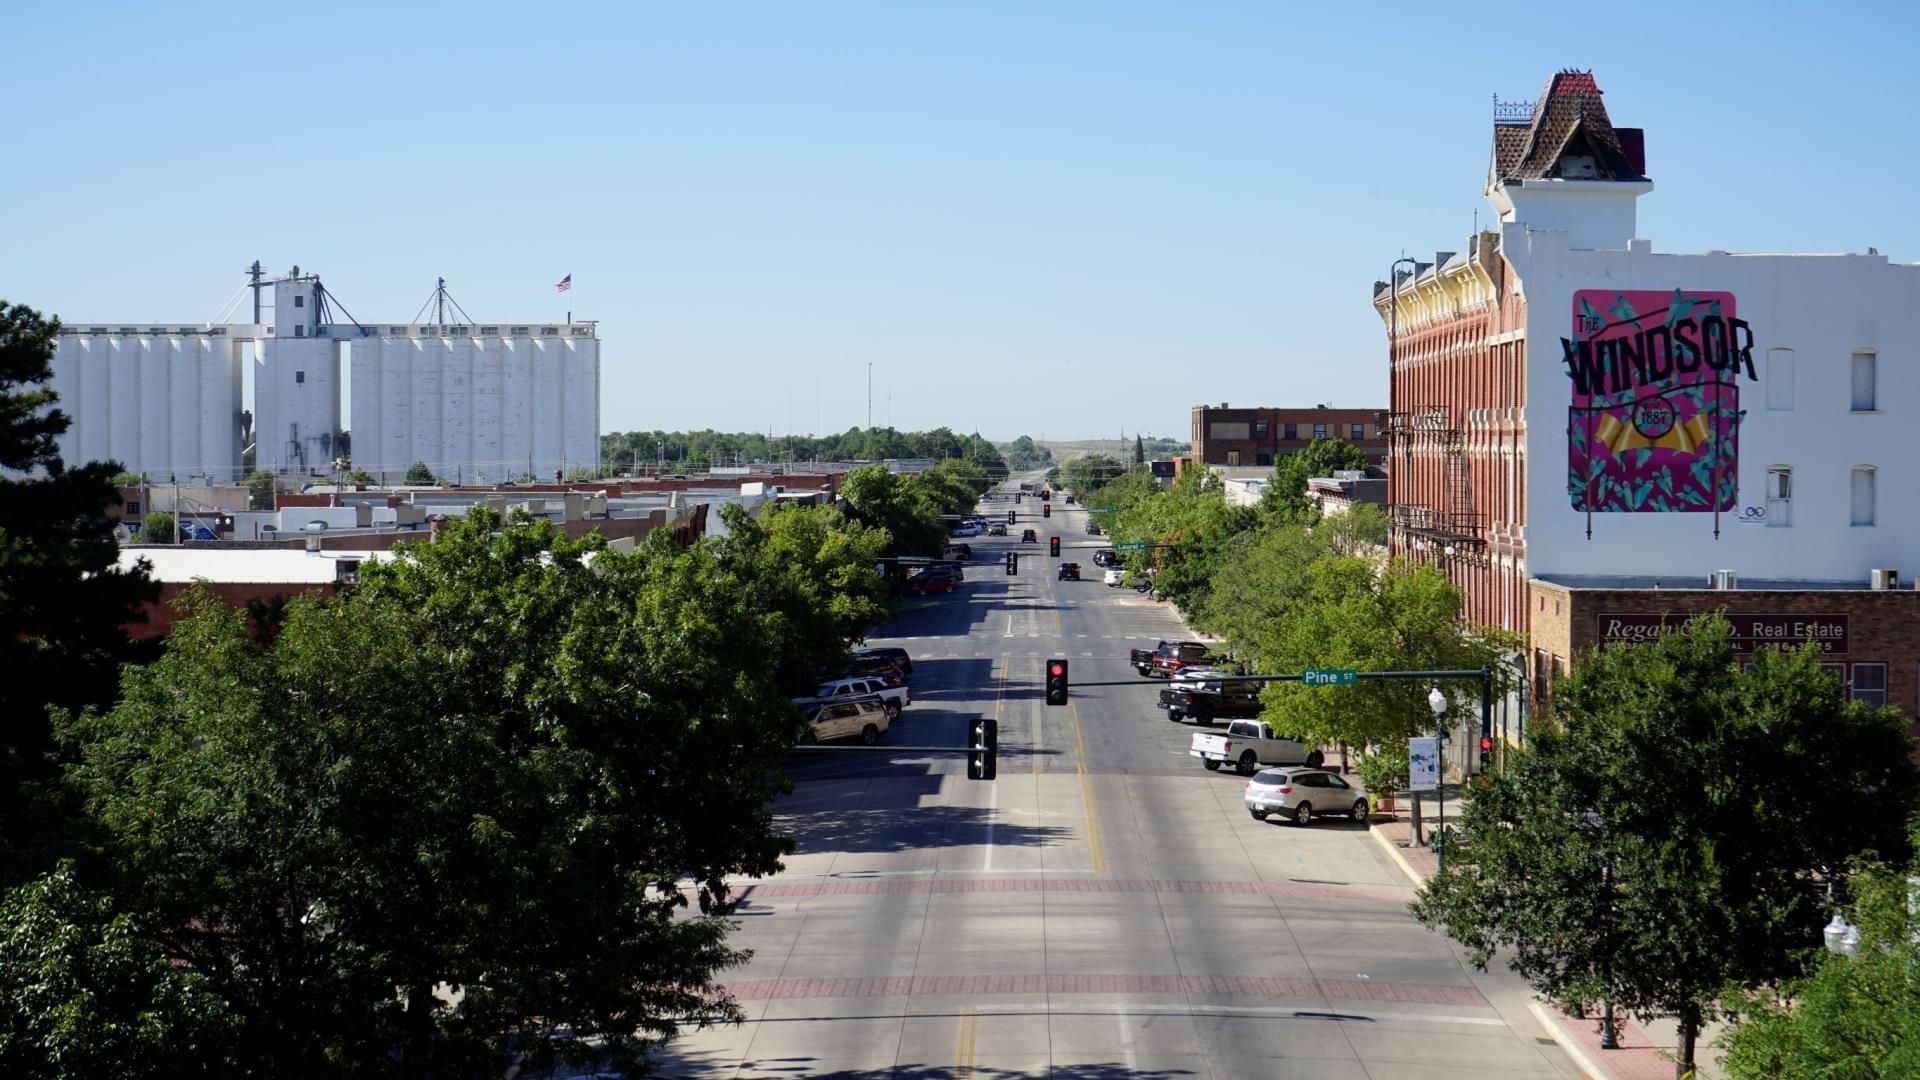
(1654, 420)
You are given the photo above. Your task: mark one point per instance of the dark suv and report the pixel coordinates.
(893, 653)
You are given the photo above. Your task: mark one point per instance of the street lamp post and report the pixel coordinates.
(1437, 701)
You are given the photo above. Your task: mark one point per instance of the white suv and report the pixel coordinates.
(895, 698)
(862, 718)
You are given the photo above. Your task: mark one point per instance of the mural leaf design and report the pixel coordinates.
(1665, 477)
(1677, 309)
(1622, 310)
(1641, 457)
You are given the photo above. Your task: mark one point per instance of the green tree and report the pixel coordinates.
(159, 528)
(1851, 1016)
(83, 993)
(1322, 457)
(1191, 528)
(500, 766)
(63, 598)
(1139, 450)
(1656, 844)
(360, 476)
(1085, 476)
(418, 475)
(881, 499)
(261, 487)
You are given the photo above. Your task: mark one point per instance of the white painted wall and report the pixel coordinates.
(1824, 308)
(296, 415)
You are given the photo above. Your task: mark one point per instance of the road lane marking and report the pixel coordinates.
(1003, 667)
(964, 1044)
(1096, 846)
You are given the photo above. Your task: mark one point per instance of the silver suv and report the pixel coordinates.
(1301, 793)
(863, 718)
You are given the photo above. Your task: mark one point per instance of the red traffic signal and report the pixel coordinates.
(1046, 509)
(1053, 546)
(1056, 682)
(1486, 743)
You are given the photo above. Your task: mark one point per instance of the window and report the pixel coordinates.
(1863, 494)
(300, 378)
(1779, 379)
(1356, 432)
(1259, 429)
(299, 301)
(1289, 431)
(1263, 459)
(133, 508)
(300, 331)
(1869, 683)
(1233, 457)
(1319, 431)
(1864, 378)
(1780, 495)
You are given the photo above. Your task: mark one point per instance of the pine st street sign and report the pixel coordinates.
(1329, 677)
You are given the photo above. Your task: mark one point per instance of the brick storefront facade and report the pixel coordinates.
(1882, 628)
(1262, 436)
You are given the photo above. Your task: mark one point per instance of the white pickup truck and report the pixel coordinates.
(1249, 744)
(896, 698)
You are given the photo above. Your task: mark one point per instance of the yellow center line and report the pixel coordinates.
(1096, 846)
(963, 1048)
(1004, 665)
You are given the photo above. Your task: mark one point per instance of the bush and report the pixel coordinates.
(158, 529)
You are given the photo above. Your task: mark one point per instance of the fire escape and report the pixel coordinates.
(1454, 523)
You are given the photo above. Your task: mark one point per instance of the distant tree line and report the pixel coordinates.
(677, 450)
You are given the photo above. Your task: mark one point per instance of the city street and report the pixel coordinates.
(1106, 908)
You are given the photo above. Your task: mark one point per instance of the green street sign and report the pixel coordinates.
(1329, 677)
(1141, 546)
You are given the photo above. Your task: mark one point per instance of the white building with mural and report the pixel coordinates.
(1595, 437)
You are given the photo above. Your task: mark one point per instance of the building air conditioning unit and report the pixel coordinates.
(1723, 580)
(1884, 580)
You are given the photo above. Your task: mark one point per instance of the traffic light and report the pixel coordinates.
(1013, 562)
(1046, 509)
(1056, 682)
(983, 760)
(1053, 546)
(1486, 753)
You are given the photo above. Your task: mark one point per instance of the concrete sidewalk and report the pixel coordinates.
(1643, 1054)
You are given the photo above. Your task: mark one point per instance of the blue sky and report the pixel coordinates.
(1061, 218)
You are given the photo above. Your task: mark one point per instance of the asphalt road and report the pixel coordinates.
(1105, 908)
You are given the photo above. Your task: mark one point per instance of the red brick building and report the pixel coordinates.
(1223, 435)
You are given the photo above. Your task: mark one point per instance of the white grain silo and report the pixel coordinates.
(477, 403)
(160, 401)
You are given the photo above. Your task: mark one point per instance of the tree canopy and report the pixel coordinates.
(454, 815)
(63, 599)
(678, 450)
(1657, 842)
(1322, 457)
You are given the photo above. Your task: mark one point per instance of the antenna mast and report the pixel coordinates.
(255, 273)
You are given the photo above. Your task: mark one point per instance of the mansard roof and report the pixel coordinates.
(1568, 120)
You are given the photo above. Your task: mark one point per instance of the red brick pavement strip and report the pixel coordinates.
(1636, 1059)
(790, 890)
(1241, 986)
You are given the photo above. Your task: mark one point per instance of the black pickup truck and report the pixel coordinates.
(1170, 654)
(1204, 697)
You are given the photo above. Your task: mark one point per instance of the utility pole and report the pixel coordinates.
(869, 395)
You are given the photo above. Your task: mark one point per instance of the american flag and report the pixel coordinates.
(563, 284)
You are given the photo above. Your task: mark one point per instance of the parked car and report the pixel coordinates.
(1114, 576)
(959, 551)
(996, 529)
(873, 667)
(1301, 793)
(1027, 536)
(1105, 557)
(852, 718)
(929, 584)
(893, 654)
(1093, 528)
(1205, 696)
(1249, 744)
(895, 698)
(1069, 500)
(1142, 659)
(1069, 571)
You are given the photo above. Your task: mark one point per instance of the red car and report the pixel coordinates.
(927, 586)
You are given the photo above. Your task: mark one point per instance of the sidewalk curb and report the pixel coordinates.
(1567, 1042)
(1393, 849)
